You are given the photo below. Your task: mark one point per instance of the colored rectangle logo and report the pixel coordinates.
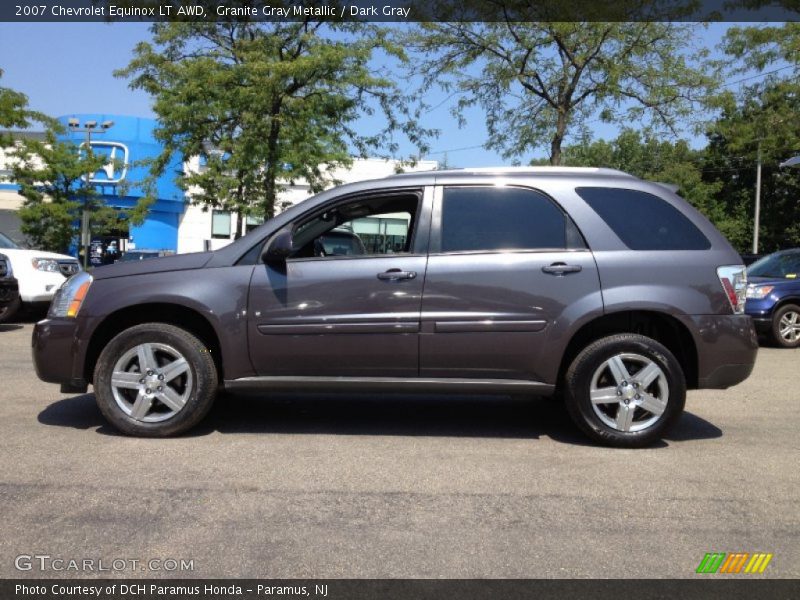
(734, 562)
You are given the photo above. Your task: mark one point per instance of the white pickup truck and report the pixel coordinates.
(38, 273)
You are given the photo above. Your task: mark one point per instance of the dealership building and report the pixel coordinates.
(173, 222)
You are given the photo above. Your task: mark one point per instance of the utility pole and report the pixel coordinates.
(758, 199)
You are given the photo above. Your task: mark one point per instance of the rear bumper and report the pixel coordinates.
(727, 347)
(58, 353)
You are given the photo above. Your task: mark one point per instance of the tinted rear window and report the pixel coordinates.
(644, 221)
(497, 218)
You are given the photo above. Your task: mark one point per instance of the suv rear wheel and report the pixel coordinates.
(625, 390)
(155, 380)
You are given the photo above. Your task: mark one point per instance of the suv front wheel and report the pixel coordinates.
(625, 390)
(155, 380)
(786, 326)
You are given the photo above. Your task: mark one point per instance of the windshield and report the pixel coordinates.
(784, 265)
(6, 242)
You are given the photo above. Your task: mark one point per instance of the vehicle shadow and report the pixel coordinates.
(386, 414)
(9, 327)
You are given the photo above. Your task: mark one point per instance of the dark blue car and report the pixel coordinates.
(773, 296)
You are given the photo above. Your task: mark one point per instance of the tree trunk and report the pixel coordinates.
(238, 232)
(271, 172)
(558, 138)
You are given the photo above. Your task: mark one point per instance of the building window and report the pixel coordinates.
(251, 223)
(221, 224)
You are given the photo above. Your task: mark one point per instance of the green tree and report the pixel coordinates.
(15, 114)
(764, 46)
(265, 104)
(762, 121)
(537, 81)
(52, 179)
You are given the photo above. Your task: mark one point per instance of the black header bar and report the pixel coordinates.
(706, 587)
(397, 11)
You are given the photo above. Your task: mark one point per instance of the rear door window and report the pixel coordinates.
(644, 221)
(485, 219)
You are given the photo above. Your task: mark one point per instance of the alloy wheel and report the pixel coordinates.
(789, 326)
(629, 392)
(151, 382)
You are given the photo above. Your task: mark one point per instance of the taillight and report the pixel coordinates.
(734, 281)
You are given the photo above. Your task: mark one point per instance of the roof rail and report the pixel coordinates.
(544, 170)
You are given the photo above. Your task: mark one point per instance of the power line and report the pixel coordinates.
(757, 75)
(455, 149)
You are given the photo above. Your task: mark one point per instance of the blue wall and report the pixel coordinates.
(160, 228)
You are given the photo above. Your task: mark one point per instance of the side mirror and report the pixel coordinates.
(278, 248)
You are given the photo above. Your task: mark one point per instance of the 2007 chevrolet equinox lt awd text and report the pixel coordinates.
(588, 283)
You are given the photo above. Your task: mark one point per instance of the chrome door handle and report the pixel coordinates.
(561, 268)
(396, 275)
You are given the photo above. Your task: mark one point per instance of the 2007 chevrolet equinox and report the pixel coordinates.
(609, 290)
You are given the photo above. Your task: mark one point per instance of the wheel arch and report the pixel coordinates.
(784, 301)
(157, 312)
(660, 326)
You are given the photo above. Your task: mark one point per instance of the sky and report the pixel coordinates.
(67, 68)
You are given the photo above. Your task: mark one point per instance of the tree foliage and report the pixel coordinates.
(538, 81)
(761, 118)
(52, 179)
(15, 114)
(265, 104)
(764, 121)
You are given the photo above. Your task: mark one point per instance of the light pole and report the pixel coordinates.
(89, 127)
(758, 199)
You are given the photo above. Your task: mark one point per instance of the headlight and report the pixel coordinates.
(69, 297)
(758, 292)
(49, 265)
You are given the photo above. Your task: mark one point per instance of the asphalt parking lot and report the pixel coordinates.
(399, 486)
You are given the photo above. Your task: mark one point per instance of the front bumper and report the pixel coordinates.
(39, 286)
(9, 291)
(58, 353)
(760, 310)
(727, 346)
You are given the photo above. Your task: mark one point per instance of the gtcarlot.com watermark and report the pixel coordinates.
(42, 563)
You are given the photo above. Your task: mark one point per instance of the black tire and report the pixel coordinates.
(8, 311)
(578, 380)
(201, 365)
(776, 326)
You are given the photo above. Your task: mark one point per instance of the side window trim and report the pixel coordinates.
(578, 243)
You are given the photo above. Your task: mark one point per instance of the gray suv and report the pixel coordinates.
(590, 284)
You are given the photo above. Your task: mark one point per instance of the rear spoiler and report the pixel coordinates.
(672, 187)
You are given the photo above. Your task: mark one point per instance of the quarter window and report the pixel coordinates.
(644, 221)
(500, 218)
